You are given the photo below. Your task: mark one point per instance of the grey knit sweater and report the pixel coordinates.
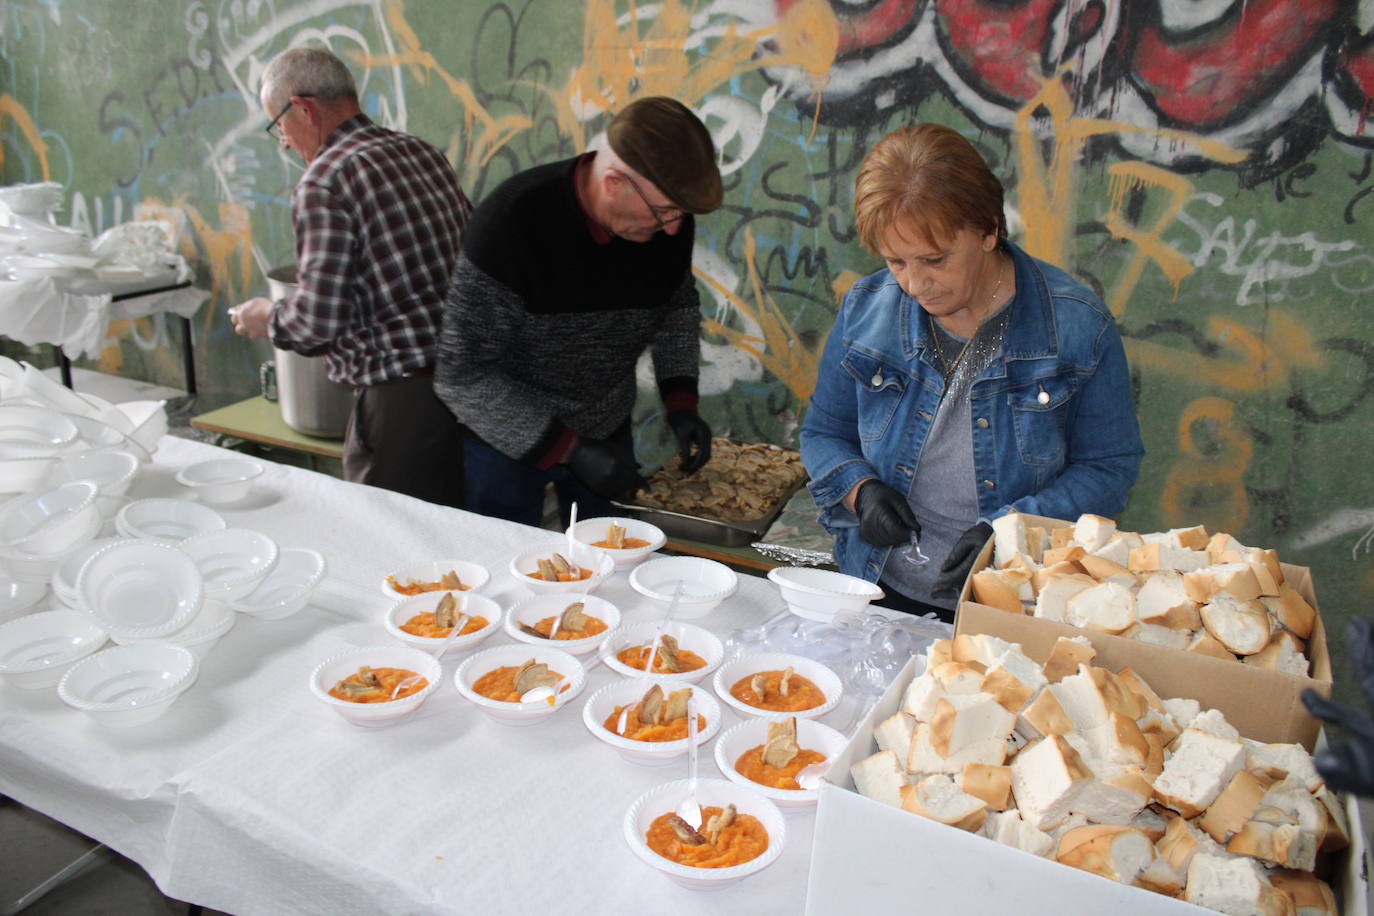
(542, 326)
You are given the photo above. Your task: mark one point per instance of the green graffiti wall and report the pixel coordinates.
(1205, 166)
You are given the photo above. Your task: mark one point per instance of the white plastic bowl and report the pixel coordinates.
(473, 575)
(18, 597)
(220, 481)
(129, 685)
(710, 792)
(149, 419)
(811, 736)
(729, 674)
(111, 470)
(232, 561)
(818, 594)
(140, 589)
(589, 531)
(536, 607)
(36, 650)
(51, 522)
(340, 665)
(200, 635)
(602, 704)
(705, 583)
(94, 434)
(172, 520)
(469, 602)
(689, 636)
(588, 557)
(485, 660)
(24, 475)
(287, 588)
(27, 431)
(68, 569)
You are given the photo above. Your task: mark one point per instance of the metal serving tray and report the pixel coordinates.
(710, 530)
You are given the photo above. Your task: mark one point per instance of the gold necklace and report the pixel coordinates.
(935, 335)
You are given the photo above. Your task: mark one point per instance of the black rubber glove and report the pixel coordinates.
(607, 469)
(691, 430)
(885, 518)
(1349, 767)
(955, 569)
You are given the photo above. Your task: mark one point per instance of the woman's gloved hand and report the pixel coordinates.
(1349, 767)
(885, 517)
(955, 569)
(691, 430)
(606, 468)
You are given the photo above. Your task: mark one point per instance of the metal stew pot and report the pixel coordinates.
(310, 402)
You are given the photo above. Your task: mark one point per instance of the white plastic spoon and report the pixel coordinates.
(690, 810)
(658, 634)
(541, 695)
(572, 523)
(458, 625)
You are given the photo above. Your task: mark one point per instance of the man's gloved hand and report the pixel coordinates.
(885, 518)
(606, 468)
(955, 569)
(690, 429)
(1349, 767)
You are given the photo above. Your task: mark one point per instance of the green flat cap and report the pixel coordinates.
(662, 140)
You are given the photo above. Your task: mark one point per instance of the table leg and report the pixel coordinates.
(85, 861)
(188, 355)
(64, 365)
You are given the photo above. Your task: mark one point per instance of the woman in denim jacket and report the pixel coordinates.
(964, 380)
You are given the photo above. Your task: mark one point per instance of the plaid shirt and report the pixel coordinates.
(378, 218)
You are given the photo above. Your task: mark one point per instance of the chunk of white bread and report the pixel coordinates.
(1066, 655)
(1010, 829)
(1233, 808)
(1337, 835)
(1154, 555)
(1234, 579)
(1108, 607)
(1046, 779)
(1008, 538)
(1220, 544)
(1158, 636)
(1152, 822)
(990, 783)
(981, 649)
(895, 733)
(1163, 600)
(1010, 676)
(1182, 841)
(1104, 570)
(925, 759)
(1004, 589)
(1136, 684)
(1236, 886)
(880, 777)
(939, 798)
(1266, 567)
(1093, 694)
(921, 695)
(959, 678)
(1118, 549)
(1283, 653)
(1161, 877)
(1290, 796)
(1092, 532)
(1044, 716)
(1213, 722)
(1117, 852)
(1056, 590)
(1291, 611)
(1311, 895)
(1183, 710)
(1284, 845)
(1241, 626)
(961, 721)
(1200, 767)
(1205, 644)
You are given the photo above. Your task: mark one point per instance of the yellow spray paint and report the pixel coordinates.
(11, 108)
(1124, 177)
(1207, 484)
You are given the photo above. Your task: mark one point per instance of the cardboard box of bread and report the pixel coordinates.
(1002, 781)
(1199, 615)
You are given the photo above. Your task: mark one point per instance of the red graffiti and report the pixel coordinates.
(999, 47)
(882, 23)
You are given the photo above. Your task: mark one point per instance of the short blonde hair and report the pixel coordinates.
(931, 179)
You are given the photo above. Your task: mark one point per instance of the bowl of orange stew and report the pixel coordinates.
(432, 576)
(749, 845)
(639, 739)
(578, 631)
(637, 541)
(591, 567)
(413, 621)
(487, 680)
(699, 651)
(810, 692)
(368, 704)
(739, 755)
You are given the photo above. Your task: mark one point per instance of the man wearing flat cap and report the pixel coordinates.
(568, 272)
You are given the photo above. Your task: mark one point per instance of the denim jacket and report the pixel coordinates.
(1054, 424)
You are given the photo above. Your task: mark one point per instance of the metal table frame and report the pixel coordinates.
(188, 361)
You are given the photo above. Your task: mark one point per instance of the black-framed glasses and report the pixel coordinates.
(655, 211)
(272, 129)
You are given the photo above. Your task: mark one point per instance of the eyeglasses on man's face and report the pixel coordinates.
(660, 214)
(274, 128)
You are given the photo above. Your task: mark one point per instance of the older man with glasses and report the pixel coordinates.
(378, 217)
(569, 271)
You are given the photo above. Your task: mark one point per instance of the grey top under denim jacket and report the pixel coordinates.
(1076, 450)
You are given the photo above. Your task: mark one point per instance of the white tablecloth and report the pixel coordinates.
(251, 797)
